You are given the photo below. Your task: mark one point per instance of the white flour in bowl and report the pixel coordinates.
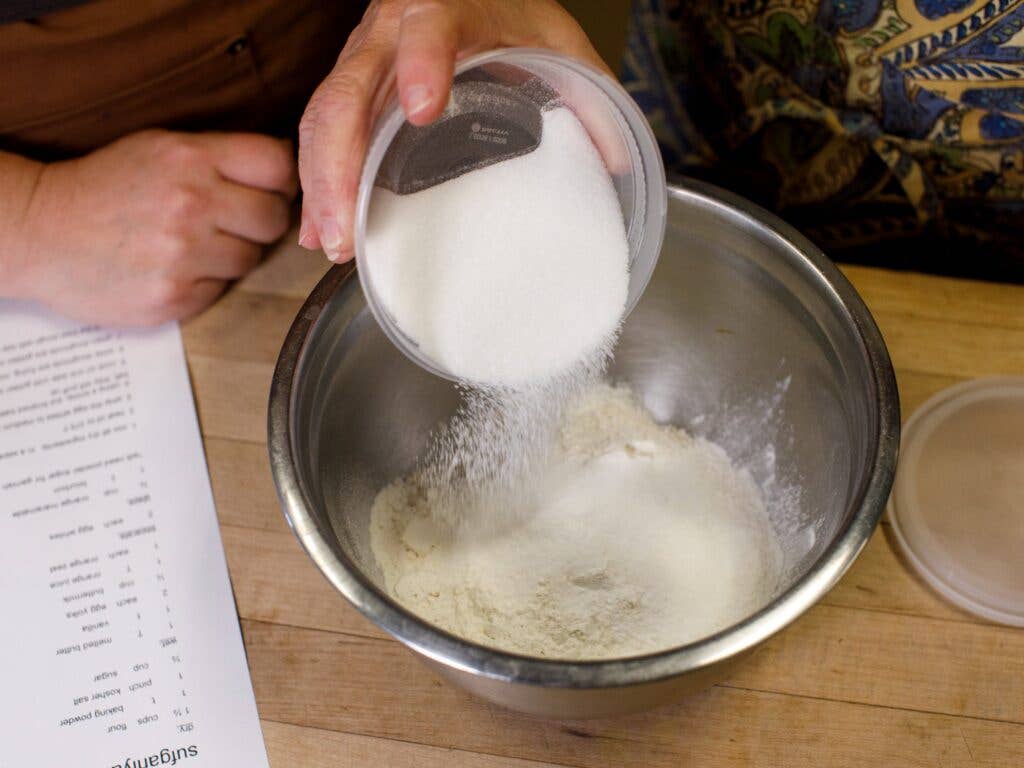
(637, 538)
(512, 273)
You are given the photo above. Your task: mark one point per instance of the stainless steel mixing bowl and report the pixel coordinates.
(746, 334)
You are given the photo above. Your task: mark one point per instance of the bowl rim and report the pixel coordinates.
(460, 654)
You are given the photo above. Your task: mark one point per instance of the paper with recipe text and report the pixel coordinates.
(119, 641)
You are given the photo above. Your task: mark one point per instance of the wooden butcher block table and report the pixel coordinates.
(880, 673)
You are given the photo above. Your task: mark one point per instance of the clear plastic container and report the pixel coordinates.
(512, 79)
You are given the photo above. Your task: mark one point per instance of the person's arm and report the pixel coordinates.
(147, 229)
(419, 41)
(19, 177)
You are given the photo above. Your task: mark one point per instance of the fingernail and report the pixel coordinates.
(417, 98)
(330, 238)
(304, 234)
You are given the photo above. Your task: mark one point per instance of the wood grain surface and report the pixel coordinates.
(881, 672)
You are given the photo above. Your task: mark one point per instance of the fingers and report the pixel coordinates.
(196, 282)
(425, 63)
(228, 257)
(249, 213)
(430, 34)
(308, 237)
(601, 126)
(201, 295)
(169, 299)
(332, 144)
(254, 160)
(561, 32)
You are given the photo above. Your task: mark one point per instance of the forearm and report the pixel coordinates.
(18, 179)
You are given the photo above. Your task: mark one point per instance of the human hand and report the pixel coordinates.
(414, 44)
(151, 227)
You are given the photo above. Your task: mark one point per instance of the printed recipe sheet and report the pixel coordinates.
(119, 641)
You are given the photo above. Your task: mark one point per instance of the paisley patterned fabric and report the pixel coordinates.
(887, 130)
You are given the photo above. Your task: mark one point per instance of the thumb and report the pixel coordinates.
(428, 41)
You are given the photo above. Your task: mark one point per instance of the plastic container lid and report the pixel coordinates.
(957, 506)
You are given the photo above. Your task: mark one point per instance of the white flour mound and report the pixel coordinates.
(511, 273)
(637, 538)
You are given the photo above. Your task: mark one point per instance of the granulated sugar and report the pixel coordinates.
(638, 538)
(484, 458)
(511, 273)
